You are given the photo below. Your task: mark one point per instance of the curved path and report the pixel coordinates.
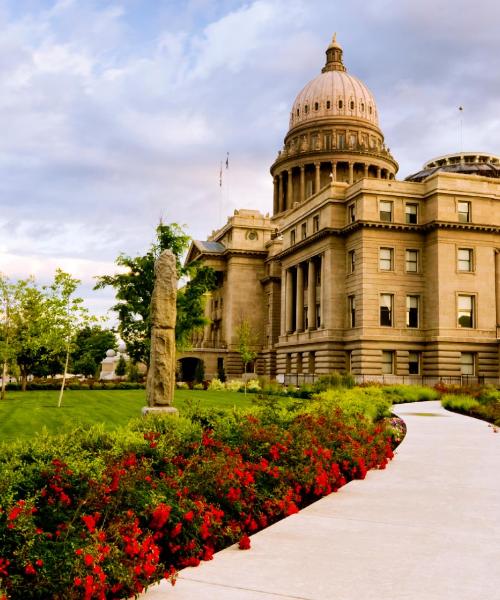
(426, 528)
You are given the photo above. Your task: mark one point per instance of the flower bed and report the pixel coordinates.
(102, 515)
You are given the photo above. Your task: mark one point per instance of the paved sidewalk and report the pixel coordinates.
(426, 528)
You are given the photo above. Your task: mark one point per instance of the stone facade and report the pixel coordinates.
(357, 271)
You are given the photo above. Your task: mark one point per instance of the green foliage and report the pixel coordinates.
(121, 367)
(92, 342)
(247, 342)
(134, 290)
(85, 365)
(485, 406)
(459, 403)
(133, 371)
(370, 403)
(399, 394)
(199, 373)
(333, 380)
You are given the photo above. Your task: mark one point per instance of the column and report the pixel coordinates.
(366, 170)
(497, 283)
(302, 183)
(318, 177)
(289, 200)
(311, 294)
(379, 173)
(334, 170)
(281, 194)
(351, 172)
(299, 313)
(289, 301)
(276, 196)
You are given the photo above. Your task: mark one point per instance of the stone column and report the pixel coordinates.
(351, 172)
(299, 313)
(366, 170)
(334, 170)
(281, 194)
(161, 374)
(497, 283)
(289, 200)
(302, 183)
(276, 196)
(318, 177)
(379, 173)
(311, 295)
(289, 301)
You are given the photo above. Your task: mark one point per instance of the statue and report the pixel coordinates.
(161, 375)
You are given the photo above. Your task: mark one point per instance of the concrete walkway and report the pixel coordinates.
(426, 528)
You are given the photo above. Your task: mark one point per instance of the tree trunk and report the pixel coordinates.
(64, 378)
(4, 376)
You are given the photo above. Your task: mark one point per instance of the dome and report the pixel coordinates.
(466, 163)
(334, 93)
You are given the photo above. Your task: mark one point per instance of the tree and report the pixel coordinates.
(134, 289)
(121, 367)
(7, 352)
(90, 347)
(247, 341)
(66, 315)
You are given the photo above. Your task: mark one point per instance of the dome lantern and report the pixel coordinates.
(334, 57)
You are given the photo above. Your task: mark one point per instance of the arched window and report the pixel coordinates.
(352, 104)
(316, 106)
(341, 104)
(306, 109)
(298, 111)
(328, 104)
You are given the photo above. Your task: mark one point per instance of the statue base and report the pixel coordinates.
(159, 410)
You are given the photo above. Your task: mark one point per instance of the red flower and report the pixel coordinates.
(244, 542)
(30, 569)
(189, 516)
(88, 559)
(39, 563)
(160, 516)
(176, 530)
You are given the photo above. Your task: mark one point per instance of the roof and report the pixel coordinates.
(209, 247)
(466, 163)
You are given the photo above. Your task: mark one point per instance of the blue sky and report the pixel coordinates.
(114, 114)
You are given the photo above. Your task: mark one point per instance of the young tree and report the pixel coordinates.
(67, 316)
(7, 351)
(247, 344)
(121, 367)
(134, 289)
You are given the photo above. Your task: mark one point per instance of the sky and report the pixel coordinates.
(116, 114)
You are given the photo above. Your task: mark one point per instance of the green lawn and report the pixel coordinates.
(23, 414)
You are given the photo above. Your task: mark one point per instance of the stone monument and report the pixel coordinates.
(161, 376)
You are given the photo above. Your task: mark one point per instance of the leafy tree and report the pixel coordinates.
(7, 348)
(90, 345)
(134, 289)
(85, 365)
(121, 367)
(66, 315)
(247, 341)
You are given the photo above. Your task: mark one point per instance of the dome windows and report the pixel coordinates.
(341, 104)
(362, 107)
(316, 106)
(328, 104)
(298, 112)
(352, 104)
(306, 108)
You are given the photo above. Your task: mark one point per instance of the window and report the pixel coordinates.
(352, 311)
(468, 363)
(387, 362)
(386, 211)
(464, 259)
(306, 109)
(318, 316)
(298, 111)
(411, 261)
(303, 230)
(362, 107)
(352, 104)
(328, 104)
(352, 212)
(316, 106)
(466, 311)
(340, 140)
(309, 188)
(316, 223)
(385, 261)
(411, 213)
(464, 212)
(292, 237)
(351, 261)
(412, 303)
(414, 363)
(327, 141)
(353, 139)
(341, 104)
(386, 301)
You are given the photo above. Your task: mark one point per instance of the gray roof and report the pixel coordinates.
(210, 247)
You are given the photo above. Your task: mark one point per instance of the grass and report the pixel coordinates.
(24, 414)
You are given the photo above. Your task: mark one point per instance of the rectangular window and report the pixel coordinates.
(327, 141)
(386, 302)
(385, 261)
(316, 223)
(412, 311)
(352, 311)
(351, 261)
(464, 259)
(387, 362)
(309, 188)
(303, 230)
(352, 212)
(466, 311)
(414, 363)
(468, 363)
(464, 212)
(411, 213)
(385, 211)
(411, 261)
(292, 237)
(340, 141)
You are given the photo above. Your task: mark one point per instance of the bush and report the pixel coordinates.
(368, 403)
(234, 385)
(95, 514)
(182, 385)
(333, 380)
(216, 385)
(399, 394)
(486, 406)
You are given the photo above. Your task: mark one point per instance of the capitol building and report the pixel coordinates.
(357, 271)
